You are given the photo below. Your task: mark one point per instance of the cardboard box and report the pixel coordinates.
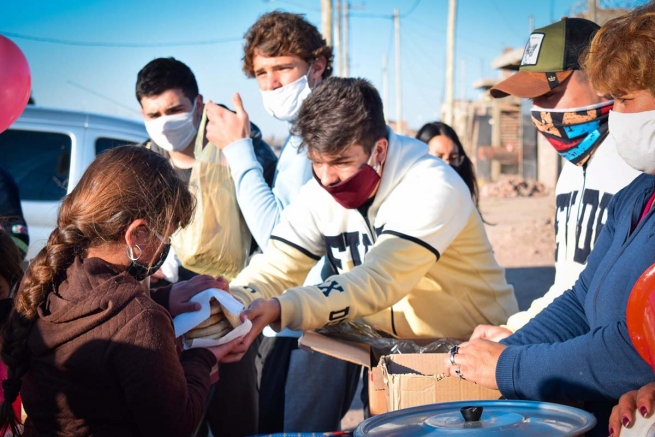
(399, 381)
(414, 379)
(358, 353)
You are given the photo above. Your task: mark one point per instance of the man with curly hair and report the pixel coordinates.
(289, 58)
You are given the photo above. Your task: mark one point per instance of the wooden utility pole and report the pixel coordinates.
(326, 20)
(462, 76)
(592, 10)
(450, 61)
(399, 93)
(346, 24)
(337, 39)
(385, 87)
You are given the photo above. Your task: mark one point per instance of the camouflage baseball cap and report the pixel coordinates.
(550, 57)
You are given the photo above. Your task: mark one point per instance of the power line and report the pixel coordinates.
(428, 38)
(386, 16)
(292, 3)
(366, 15)
(508, 24)
(416, 3)
(114, 44)
(298, 5)
(95, 93)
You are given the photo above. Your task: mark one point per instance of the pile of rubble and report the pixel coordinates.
(513, 186)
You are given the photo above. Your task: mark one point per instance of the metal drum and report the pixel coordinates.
(480, 418)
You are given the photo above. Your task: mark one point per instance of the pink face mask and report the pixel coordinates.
(354, 191)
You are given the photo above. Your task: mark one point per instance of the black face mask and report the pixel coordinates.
(5, 308)
(141, 272)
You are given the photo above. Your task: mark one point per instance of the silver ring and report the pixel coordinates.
(453, 350)
(458, 372)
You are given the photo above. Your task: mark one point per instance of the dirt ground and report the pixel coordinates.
(521, 231)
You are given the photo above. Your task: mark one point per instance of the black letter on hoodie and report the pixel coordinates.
(337, 315)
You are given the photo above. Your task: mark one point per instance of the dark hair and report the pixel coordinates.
(163, 74)
(465, 170)
(11, 259)
(340, 112)
(283, 34)
(123, 184)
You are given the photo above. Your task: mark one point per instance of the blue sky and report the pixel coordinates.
(83, 75)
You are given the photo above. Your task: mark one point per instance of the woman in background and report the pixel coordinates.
(444, 143)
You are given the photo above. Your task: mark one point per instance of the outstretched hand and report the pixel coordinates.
(178, 301)
(224, 127)
(224, 353)
(261, 312)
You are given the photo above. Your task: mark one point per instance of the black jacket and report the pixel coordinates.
(11, 213)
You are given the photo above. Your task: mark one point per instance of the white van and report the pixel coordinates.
(47, 150)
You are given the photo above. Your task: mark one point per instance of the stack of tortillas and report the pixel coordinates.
(219, 323)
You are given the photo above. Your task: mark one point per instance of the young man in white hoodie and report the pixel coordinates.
(397, 225)
(574, 119)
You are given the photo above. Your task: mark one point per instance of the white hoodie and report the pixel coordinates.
(422, 268)
(582, 196)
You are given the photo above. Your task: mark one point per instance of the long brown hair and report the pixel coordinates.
(120, 186)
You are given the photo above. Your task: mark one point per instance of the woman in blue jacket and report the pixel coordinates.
(578, 349)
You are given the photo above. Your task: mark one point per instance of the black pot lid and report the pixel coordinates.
(507, 418)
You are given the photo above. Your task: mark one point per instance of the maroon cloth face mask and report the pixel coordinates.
(354, 191)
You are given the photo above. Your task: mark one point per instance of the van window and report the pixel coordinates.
(103, 144)
(38, 161)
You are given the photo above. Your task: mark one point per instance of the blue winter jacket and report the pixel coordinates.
(578, 348)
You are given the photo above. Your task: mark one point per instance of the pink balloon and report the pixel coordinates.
(15, 82)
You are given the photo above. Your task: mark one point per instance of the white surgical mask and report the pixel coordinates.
(634, 134)
(284, 102)
(173, 133)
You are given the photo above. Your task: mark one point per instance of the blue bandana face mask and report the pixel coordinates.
(576, 132)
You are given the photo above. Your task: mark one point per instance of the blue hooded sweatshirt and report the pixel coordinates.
(578, 348)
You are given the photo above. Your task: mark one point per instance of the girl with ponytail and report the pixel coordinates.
(89, 348)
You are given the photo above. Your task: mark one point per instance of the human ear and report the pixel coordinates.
(136, 233)
(198, 109)
(381, 148)
(317, 69)
(199, 104)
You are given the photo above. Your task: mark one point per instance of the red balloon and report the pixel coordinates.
(15, 82)
(640, 315)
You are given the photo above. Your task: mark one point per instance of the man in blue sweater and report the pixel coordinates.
(288, 57)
